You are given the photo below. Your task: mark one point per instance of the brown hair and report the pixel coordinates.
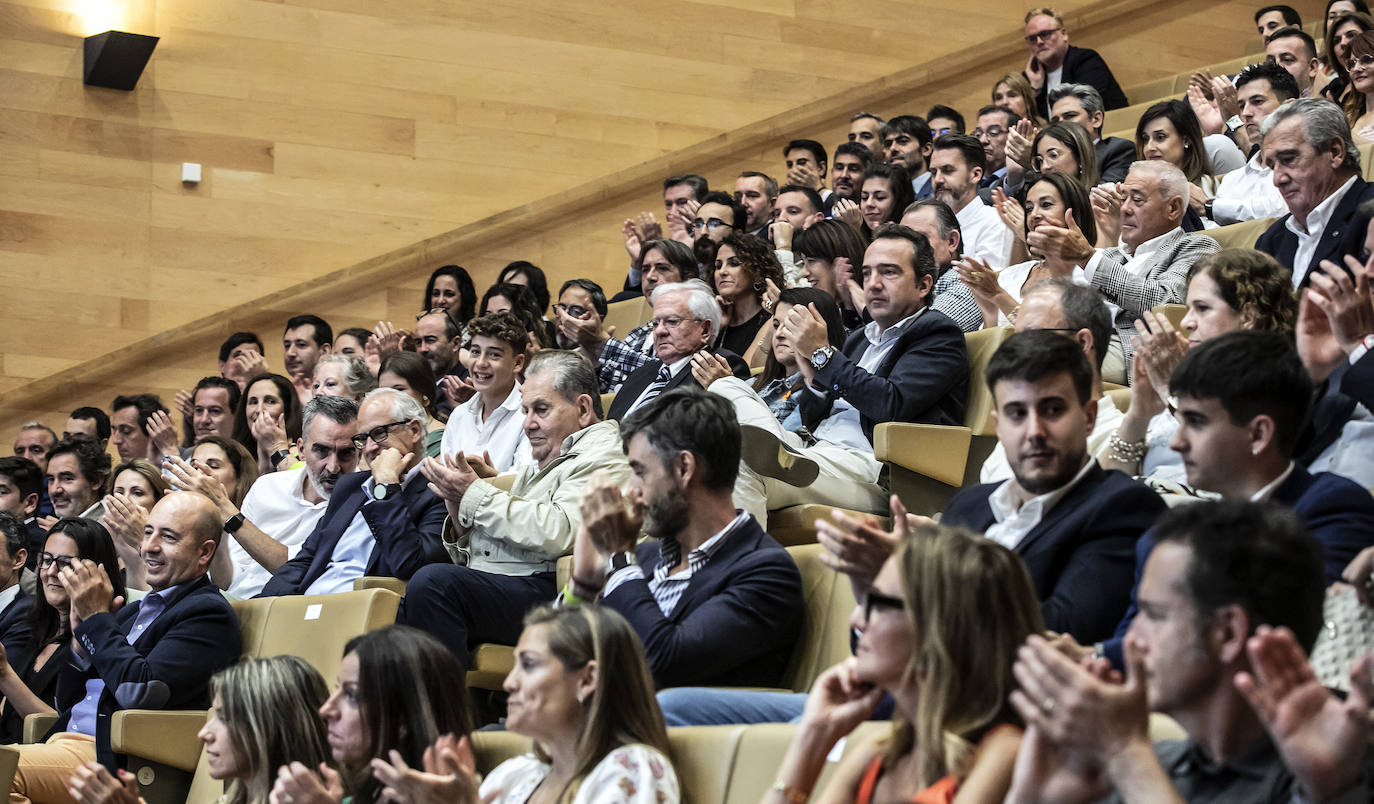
(758, 260)
(245, 465)
(1255, 285)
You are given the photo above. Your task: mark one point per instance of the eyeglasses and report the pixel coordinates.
(991, 132)
(452, 322)
(377, 434)
(711, 225)
(672, 322)
(874, 600)
(1364, 61)
(571, 310)
(1043, 36)
(939, 132)
(46, 559)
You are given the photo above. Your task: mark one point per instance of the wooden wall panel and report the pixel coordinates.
(349, 146)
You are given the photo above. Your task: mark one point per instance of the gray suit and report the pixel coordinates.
(1162, 280)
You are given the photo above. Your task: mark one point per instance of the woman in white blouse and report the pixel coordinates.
(581, 690)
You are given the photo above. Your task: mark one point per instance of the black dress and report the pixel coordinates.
(43, 682)
(740, 337)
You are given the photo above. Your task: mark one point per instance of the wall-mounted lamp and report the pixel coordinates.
(116, 59)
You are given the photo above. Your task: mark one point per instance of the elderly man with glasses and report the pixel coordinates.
(1053, 61)
(384, 521)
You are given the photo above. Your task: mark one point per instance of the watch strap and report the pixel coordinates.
(279, 456)
(233, 523)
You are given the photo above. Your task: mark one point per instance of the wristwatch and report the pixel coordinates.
(386, 491)
(279, 456)
(1234, 123)
(620, 561)
(821, 357)
(233, 523)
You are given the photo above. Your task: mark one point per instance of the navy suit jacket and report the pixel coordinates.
(923, 379)
(408, 529)
(643, 377)
(735, 624)
(1344, 233)
(1348, 385)
(1079, 555)
(16, 632)
(168, 668)
(1114, 158)
(1085, 66)
(1336, 511)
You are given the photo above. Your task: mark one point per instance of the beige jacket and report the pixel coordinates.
(525, 530)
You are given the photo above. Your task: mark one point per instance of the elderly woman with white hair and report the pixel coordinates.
(343, 375)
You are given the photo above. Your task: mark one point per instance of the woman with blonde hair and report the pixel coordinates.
(581, 689)
(940, 627)
(1014, 92)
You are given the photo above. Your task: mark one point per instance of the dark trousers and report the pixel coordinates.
(464, 607)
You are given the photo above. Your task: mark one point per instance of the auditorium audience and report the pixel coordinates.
(1053, 61)
(489, 422)
(504, 545)
(1248, 192)
(383, 521)
(76, 475)
(942, 229)
(907, 144)
(396, 697)
(1081, 104)
(29, 678)
(268, 420)
(955, 736)
(746, 271)
(1294, 50)
(957, 164)
(341, 375)
(408, 373)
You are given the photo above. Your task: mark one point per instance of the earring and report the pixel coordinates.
(758, 287)
(581, 698)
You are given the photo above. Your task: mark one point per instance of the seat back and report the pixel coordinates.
(981, 345)
(317, 627)
(1240, 235)
(1367, 158)
(1173, 312)
(626, 315)
(253, 615)
(761, 750)
(491, 748)
(704, 758)
(828, 601)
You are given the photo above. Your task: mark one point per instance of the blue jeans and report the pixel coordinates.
(714, 706)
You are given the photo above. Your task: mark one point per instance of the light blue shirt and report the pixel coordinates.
(87, 710)
(354, 548)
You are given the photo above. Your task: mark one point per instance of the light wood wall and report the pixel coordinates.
(349, 147)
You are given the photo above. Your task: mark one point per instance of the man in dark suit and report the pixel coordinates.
(686, 321)
(21, 486)
(16, 632)
(715, 600)
(1320, 182)
(382, 522)
(1053, 61)
(909, 364)
(1073, 522)
(1082, 104)
(1241, 401)
(157, 653)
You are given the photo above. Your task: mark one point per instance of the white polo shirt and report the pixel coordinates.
(276, 505)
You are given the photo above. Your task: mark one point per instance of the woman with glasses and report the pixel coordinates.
(29, 683)
(1058, 148)
(1359, 102)
(939, 630)
(1336, 54)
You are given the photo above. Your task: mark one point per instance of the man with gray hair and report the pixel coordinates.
(380, 522)
(686, 320)
(1082, 104)
(505, 545)
(282, 509)
(1317, 169)
(1150, 265)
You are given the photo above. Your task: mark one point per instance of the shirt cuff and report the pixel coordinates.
(620, 577)
(1090, 269)
(1359, 352)
(1225, 210)
(477, 495)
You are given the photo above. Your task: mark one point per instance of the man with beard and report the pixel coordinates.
(76, 473)
(847, 170)
(579, 300)
(717, 217)
(713, 597)
(438, 340)
(757, 193)
(1074, 523)
(957, 164)
(907, 142)
(282, 508)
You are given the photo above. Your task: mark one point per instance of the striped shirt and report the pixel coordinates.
(668, 589)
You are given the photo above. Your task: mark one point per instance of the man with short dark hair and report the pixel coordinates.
(33, 442)
(847, 170)
(1248, 192)
(21, 484)
(865, 128)
(718, 216)
(944, 120)
(940, 225)
(1053, 61)
(906, 141)
(90, 421)
(241, 358)
(439, 340)
(806, 165)
(214, 402)
(489, 422)
(1271, 18)
(798, 207)
(76, 474)
(129, 424)
(16, 626)
(956, 163)
(756, 192)
(1074, 523)
(1081, 104)
(682, 194)
(713, 597)
(993, 125)
(305, 339)
(1294, 50)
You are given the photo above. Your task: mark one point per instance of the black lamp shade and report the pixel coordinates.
(116, 59)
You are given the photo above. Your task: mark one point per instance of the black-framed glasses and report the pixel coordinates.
(572, 310)
(671, 322)
(991, 132)
(1043, 36)
(877, 600)
(711, 225)
(46, 559)
(378, 434)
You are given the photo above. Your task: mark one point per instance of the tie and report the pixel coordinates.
(656, 387)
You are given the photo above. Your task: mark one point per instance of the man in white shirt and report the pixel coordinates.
(1317, 169)
(956, 163)
(490, 422)
(1248, 192)
(283, 508)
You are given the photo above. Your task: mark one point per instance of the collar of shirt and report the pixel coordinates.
(1149, 246)
(1267, 491)
(1321, 214)
(670, 552)
(473, 407)
(1256, 761)
(1255, 164)
(7, 596)
(919, 182)
(877, 336)
(1002, 501)
(371, 482)
(680, 364)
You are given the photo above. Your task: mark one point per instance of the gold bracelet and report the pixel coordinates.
(791, 794)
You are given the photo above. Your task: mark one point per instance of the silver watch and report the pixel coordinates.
(821, 357)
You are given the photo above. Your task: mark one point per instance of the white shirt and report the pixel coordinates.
(984, 235)
(502, 434)
(1013, 278)
(1351, 455)
(674, 369)
(1311, 233)
(1267, 491)
(1053, 79)
(1248, 193)
(996, 468)
(276, 505)
(844, 420)
(1014, 523)
(7, 596)
(919, 183)
(354, 548)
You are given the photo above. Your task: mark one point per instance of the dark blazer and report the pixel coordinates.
(1334, 404)
(1114, 158)
(1079, 556)
(1085, 66)
(923, 379)
(643, 377)
(408, 530)
(168, 668)
(1337, 512)
(1344, 234)
(735, 624)
(16, 632)
(37, 539)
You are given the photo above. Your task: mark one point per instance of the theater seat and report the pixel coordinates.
(828, 600)
(492, 663)
(1240, 235)
(1173, 312)
(796, 524)
(626, 315)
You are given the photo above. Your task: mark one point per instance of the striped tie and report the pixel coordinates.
(656, 387)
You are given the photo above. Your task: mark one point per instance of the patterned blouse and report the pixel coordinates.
(631, 774)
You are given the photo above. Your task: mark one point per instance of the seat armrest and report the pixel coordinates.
(37, 725)
(936, 451)
(162, 736)
(380, 582)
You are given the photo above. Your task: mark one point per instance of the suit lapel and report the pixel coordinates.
(1050, 521)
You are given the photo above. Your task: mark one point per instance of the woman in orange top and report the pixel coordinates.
(940, 629)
